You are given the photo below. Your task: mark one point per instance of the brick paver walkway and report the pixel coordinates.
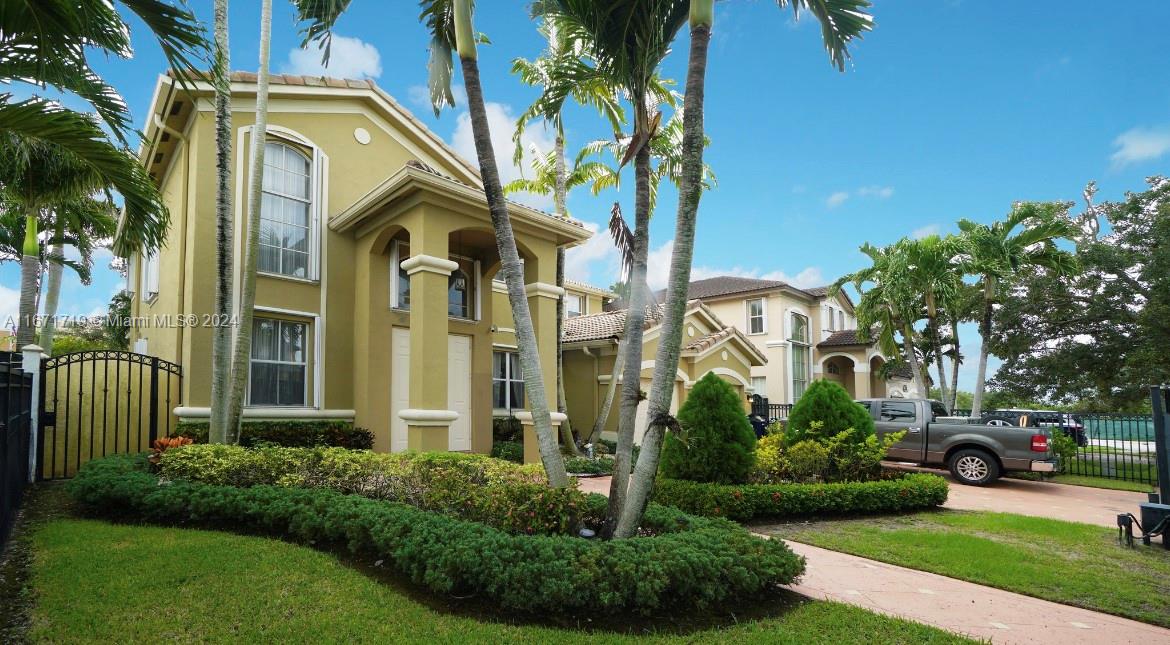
(968, 608)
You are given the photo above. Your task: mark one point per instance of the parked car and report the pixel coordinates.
(976, 453)
(1070, 424)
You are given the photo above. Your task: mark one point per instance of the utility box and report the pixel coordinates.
(1153, 515)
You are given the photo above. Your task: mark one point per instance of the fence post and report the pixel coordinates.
(32, 356)
(153, 399)
(1160, 400)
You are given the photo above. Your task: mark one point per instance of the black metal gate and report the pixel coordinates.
(96, 403)
(15, 414)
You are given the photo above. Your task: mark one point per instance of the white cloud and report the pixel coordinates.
(596, 258)
(348, 58)
(1140, 144)
(501, 122)
(880, 192)
(836, 199)
(925, 231)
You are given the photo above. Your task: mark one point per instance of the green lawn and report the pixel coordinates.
(99, 582)
(1066, 562)
(1101, 482)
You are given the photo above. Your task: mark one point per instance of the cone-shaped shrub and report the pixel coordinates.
(828, 403)
(717, 442)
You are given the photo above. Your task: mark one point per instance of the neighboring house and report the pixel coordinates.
(805, 334)
(374, 300)
(590, 346)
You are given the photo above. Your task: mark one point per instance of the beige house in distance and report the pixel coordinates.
(804, 334)
(375, 299)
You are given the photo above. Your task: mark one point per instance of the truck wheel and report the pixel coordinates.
(974, 467)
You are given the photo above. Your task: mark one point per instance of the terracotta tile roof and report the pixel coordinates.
(729, 285)
(585, 286)
(604, 325)
(710, 340)
(418, 165)
(817, 291)
(843, 338)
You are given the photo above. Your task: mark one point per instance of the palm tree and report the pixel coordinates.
(82, 223)
(841, 21)
(243, 344)
(888, 308)
(930, 265)
(450, 25)
(996, 255)
(48, 43)
(36, 177)
(221, 338)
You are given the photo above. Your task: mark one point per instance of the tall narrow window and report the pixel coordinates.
(507, 381)
(757, 323)
(760, 385)
(459, 294)
(285, 226)
(829, 318)
(841, 319)
(401, 295)
(279, 365)
(798, 337)
(150, 275)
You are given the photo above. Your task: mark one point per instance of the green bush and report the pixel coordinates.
(829, 403)
(717, 442)
(771, 459)
(587, 466)
(751, 501)
(807, 461)
(507, 429)
(607, 447)
(854, 461)
(495, 492)
(1064, 447)
(508, 451)
(689, 562)
(291, 433)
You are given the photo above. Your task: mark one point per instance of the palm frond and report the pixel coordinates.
(842, 21)
(623, 239)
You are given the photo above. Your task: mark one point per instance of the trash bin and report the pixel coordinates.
(759, 424)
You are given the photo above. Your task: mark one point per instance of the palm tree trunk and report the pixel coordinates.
(984, 348)
(936, 342)
(550, 455)
(912, 357)
(52, 291)
(955, 365)
(221, 340)
(30, 273)
(559, 198)
(243, 346)
(663, 385)
(607, 404)
(631, 374)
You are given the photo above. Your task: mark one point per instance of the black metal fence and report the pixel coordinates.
(102, 402)
(770, 411)
(15, 415)
(1110, 446)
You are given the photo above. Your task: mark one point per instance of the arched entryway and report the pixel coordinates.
(839, 369)
(877, 384)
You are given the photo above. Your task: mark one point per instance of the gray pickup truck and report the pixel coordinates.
(976, 454)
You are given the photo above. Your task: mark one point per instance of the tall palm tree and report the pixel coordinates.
(221, 338)
(888, 308)
(561, 71)
(48, 43)
(243, 344)
(81, 223)
(452, 32)
(997, 254)
(627, 40)
(930, 263)
(841, 22)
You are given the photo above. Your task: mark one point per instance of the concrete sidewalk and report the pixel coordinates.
(965, 607)
(961, 607)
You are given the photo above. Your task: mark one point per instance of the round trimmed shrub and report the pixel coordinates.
(828, 403)
(718, 443)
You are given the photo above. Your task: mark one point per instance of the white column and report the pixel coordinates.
(31, 364)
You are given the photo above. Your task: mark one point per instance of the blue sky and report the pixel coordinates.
(949, 109)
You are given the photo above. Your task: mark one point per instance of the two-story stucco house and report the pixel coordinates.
(375, 299)
(804, 334)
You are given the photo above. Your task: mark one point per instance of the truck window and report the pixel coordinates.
(897, 411)
(937, 410)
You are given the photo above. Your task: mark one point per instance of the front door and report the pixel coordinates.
(459, 391)
(399, 386)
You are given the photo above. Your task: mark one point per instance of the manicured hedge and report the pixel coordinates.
(693, 561)
(763, 501)
(290, 433)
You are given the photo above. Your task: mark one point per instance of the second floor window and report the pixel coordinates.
(285, 223)
(574, 305)
(841, 319)
(798, 332)
(757, 323)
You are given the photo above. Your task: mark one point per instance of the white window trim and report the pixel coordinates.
(395, 265)
(150, 276)
(582, 302)
(763, 316)
(792, 345)
(312, 398)
(506, 350)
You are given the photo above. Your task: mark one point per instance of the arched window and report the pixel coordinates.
(285, 225)
(798, 337)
